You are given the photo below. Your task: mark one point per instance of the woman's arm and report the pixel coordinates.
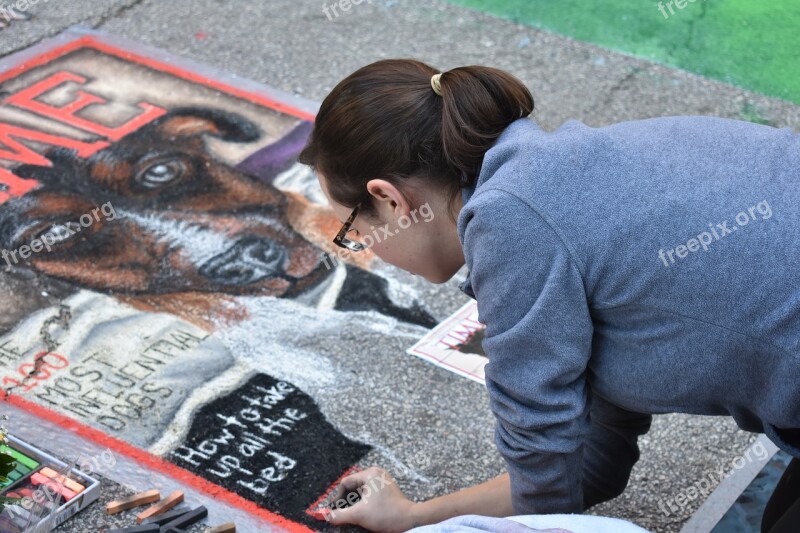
(383, 507)
(491, 498)
(533, 299)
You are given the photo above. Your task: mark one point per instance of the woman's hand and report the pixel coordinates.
(382, 506)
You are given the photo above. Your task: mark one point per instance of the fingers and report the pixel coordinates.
(360, 482)
(348, 515)
(354, 481)
(357, 480)
(351, 483)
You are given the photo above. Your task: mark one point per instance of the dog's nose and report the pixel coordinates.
(250, 259)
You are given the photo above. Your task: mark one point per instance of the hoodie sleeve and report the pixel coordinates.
(531, 296)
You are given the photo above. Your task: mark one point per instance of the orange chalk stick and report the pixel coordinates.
(72, 485)
(230, 527)
(38, 479)
(161, 507)
(136, 500)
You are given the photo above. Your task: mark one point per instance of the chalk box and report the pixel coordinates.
(31, 473)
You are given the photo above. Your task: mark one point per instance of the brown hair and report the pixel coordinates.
(385, 121)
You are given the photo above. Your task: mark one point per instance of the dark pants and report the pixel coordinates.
(611, 450)
(782, 514)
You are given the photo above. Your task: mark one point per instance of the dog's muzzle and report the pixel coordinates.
(249, 260)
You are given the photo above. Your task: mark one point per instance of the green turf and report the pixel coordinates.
(754, 44)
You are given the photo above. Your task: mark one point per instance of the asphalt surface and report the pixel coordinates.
(293, 46)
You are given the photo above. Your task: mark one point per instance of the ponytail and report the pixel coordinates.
(479, 103)
(386, 121)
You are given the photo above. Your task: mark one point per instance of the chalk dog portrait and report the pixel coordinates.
(184, 262)
(182, 230)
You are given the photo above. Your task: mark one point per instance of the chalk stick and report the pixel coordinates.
(143, 498)
(166, 517)
(188, 519)
(161, 507)
(29, 462)
(344, 501)
(71, 484)
(148, 528)
(38, 479)
(230, 527)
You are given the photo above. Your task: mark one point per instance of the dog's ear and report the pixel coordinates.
(63, 172)
(192, 121)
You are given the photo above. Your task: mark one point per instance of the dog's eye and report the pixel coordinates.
(162, 173)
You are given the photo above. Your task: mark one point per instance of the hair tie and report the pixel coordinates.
(436, 83)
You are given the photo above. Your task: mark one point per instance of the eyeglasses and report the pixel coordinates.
(343, 241)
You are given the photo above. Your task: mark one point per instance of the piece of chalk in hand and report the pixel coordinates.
(345, 501)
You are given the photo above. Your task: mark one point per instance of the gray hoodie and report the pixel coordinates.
(655, 263)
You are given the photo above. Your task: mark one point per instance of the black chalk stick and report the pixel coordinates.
(169, 516)
(188, 519)
(148, 528)
(344, 501)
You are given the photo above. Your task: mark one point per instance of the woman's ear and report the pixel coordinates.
(390, 202)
